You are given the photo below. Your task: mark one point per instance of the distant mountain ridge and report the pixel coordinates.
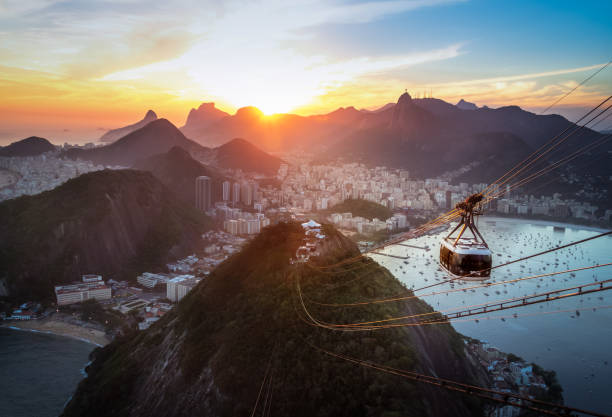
(115, 223)
(430, 137)
(270, 133)
(31, 146)
(114, 134)
(161, 136)
(408, 116)
(156, 137)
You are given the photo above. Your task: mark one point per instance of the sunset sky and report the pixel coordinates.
(69, 70)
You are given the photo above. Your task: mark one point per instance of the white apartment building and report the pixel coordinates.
(150, 280)
(179, 287)
(93, 288)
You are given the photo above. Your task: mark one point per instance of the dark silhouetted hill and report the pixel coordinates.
(241, 154)
(31, 146)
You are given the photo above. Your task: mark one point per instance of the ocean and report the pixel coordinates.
(571, 336)
(39, 372)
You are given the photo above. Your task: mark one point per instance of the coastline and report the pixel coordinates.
(547, 223)
(59, 328)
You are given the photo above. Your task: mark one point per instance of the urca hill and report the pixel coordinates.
(209, 355)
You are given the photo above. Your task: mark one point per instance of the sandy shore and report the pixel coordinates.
(60, 328)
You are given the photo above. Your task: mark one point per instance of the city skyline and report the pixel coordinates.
(72, 71)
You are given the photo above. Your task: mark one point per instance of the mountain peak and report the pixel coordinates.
(466, 105)
(205, 115)
(249, 111)
(404, 98)
(207, 106)
(408, 117)
(115, 134)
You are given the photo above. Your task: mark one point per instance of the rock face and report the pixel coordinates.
(206, 115)
(209, 355)
(115, 223)
(31, 146)
(115, 134)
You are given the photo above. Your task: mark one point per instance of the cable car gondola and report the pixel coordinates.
(462, 256)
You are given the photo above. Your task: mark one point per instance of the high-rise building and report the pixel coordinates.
(236, 193)
(246, 189)
(203, 193)
(226, 190)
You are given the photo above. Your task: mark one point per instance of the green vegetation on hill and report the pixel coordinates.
(116, 223)
(362, 208)
(209, 355)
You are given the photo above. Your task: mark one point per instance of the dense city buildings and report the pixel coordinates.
(309, 188)
(35, 174)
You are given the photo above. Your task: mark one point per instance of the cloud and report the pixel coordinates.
(14, 8)
(504, 79)
(138, 48)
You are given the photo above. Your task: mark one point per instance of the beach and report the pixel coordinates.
(60, 328)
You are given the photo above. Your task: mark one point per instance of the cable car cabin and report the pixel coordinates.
(467, 258)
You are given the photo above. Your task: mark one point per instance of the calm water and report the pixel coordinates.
(38, 372)
(577, 346)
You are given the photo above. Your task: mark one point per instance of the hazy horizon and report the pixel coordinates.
(83, 135)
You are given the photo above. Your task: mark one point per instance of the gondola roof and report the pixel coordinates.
(466, 246)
